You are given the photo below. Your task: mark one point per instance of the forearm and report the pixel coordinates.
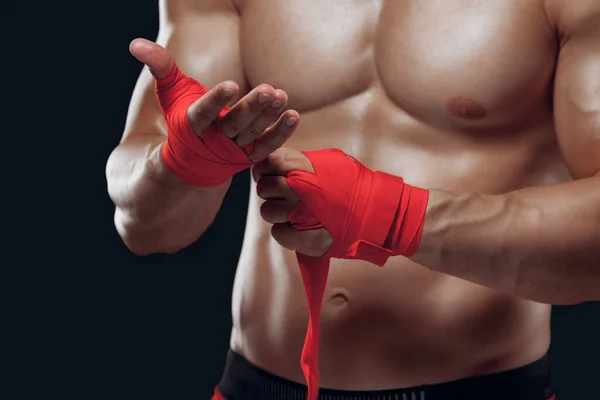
(156, 211)
(538, 243)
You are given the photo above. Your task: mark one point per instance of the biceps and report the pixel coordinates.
(206, 47)
(577, 105)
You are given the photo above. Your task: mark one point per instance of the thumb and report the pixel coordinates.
(154, 56)
(282, 161)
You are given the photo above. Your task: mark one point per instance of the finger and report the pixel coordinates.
(255, 174)
(276, 211)
(314, 243)
(206, 109)
(275, 136)
(156, 57)
(275, 187)
(268, 116)
(242, 114)
(282, 161)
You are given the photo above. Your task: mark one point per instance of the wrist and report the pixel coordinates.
(404, 236)
(457, 224)
(159, 172)
(436, 223)
(391, 219)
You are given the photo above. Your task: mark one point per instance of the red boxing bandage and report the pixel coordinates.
(371, 216)
(205, 161)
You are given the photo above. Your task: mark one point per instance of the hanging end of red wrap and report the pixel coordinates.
(314, 276)
(312, 382)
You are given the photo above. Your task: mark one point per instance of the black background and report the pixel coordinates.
(112, 325)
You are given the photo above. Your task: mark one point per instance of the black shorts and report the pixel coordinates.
(244, 381)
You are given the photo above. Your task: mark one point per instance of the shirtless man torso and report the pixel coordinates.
(455, 95)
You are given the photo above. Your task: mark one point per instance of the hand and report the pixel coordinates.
(258, 117)
(271, 186)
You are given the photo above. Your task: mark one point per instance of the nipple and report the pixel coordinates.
(465, 108)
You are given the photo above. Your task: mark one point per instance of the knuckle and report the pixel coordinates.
(254, 106)
(271, 184)
(276, 234)
(231, 127)
(319, 241)
(255, 131)
(286, 155)
(266, 212)
(326, 240)
(261, 187)
(258, 155)
(278, 138)
(254, 171)
(282, 188)
(277, 157)
(279, 183)
(272, 112)
(312, 240)
(198, 113)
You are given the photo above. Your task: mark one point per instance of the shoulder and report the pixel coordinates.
(569, 17)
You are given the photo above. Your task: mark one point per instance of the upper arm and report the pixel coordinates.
(577, 84)
(203, 38)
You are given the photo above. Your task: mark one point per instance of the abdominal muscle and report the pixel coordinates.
(401, 325)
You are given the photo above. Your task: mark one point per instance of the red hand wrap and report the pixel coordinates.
(205, 161)
(371, 216)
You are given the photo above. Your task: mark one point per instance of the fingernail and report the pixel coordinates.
(276, 103)
(227, 92)
(263, 97)
(291, 121)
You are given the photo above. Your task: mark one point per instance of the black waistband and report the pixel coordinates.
(244, 381)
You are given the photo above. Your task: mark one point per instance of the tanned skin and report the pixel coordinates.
(494, 106)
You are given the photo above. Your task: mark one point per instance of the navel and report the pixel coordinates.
(340, 296)
(465, 108)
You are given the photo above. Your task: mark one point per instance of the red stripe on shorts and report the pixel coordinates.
(219, 396)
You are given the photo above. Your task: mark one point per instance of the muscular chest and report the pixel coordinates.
(436, 60)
